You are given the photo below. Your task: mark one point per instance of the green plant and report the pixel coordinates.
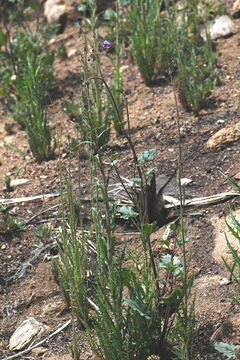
(27, 74)
(191, 58)
(229, 350)
(8, 186)
(116, 85)
(9, 224)
(15, 34)
(74, 265)
(93, 120)
(75, 342)
(234, 267)
(123, 21)
(96, 109)
(196, 73)
(145, 27)
(14, 148)
(130, 306)
(43, 232)
(30, 107)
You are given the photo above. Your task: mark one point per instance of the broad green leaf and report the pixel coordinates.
(148, 155)
(82, 7)
(226, 349)
(136, 305)
(148, 229)
(109, 14)
(171, 263)
(136, 180)
(150, 171)
(126, 212)
(186, 240)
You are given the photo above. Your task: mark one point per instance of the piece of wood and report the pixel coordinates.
(201, 201)
(28, 198)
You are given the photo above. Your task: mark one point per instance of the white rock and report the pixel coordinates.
(71, 52)
(24, 334)
(123, 68)
(54, 10)
(220, 27)
(185, 181)
(17, 182)
(224, 281)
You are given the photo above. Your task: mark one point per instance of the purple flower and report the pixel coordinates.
(106, 44)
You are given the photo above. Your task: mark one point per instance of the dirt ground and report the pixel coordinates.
(27, 286)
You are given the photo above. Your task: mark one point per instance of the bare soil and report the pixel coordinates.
(27, 286)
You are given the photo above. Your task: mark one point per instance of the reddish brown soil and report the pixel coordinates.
(153, 122)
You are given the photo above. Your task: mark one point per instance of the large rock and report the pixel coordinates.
(220, 242)
(226, 135)
(223, 26)
(54, 10)
(25, 333)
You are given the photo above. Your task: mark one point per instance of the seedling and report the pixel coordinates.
(27, 75)
(32, 85)
(8, 224)
(43, 233)
(8, 186)
(145, 29)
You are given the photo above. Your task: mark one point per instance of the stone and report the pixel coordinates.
(59, 12)
(25, 333)
(237, 176)
(17, 182)
(39, 351)
(236, 9)
(10, 139)
(220, 27)
(224, 281)
(54, 10)
(220, 244)
(225, 135)
(54, 308)
(185, 181)
(71, 52)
